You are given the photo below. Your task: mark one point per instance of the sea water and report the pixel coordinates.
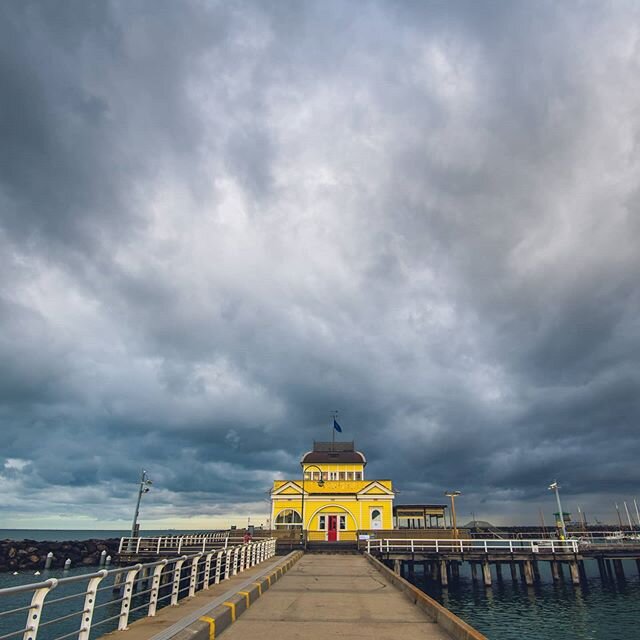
(508, 610)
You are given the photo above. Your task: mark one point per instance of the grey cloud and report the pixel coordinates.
(220, 223)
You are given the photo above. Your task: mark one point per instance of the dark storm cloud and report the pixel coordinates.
(221, 222)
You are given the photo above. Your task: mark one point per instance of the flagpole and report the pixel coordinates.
(334, 415)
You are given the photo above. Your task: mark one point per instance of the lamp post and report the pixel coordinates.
(320, 484)
(453, 495)
(145, 483)
(554, 487)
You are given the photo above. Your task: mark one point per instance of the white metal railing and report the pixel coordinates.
(400, 545)
(172, 545)
(140, 589)
(549, 533)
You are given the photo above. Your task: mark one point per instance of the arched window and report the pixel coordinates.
(376, 519)
(288, 518)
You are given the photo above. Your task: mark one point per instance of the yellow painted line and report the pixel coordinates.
(246, 597)
(233, 609)
(259, 585)
(212, 626)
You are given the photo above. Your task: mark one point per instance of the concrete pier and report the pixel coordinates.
(311, 597)
(334, 597)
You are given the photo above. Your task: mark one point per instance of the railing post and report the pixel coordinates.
(179, 545)
(552, 547)
(35, 610)
(89, 604)
(175, 589)
(138, 545)
(207, 571)
(486, 550)
(227, 563)
(218, 567)
(236, 552)
(193, 581)
(510, 546)
(159, 541)
(120, 545)
(437, 546)
(155, 588)
(243, 557)
(123, 620)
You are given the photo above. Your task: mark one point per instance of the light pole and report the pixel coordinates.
(320, 484)
(554, 487)
(453, 495)
(145, 483)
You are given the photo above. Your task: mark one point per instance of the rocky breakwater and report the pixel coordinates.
(16, 555)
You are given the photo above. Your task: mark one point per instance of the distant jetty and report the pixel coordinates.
(23, 555)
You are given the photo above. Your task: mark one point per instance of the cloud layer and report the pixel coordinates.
(218, 223)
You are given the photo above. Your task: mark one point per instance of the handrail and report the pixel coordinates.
(170, 545)
(440, 545)
(143, 586)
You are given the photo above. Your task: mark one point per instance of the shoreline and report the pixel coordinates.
(29, 554)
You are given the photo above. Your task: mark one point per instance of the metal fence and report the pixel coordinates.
(400, 545)
(176, 545)
(110, 599)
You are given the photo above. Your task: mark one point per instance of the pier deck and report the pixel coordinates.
(334, 596)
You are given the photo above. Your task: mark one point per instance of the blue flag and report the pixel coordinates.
(336, 426)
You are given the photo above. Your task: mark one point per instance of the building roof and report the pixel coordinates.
(334, 453)
(418, 507)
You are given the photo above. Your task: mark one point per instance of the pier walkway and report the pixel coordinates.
(335, 596)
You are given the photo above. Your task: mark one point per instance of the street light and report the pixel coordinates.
(554, 487)
(320, 484)
(453, 495)
(145, 485)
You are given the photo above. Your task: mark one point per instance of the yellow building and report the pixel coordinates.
(332, 497)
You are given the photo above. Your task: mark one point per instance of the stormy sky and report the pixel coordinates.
(221, 221)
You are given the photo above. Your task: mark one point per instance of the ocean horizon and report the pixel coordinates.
(59, 535)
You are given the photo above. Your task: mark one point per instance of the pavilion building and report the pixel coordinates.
(333, 498)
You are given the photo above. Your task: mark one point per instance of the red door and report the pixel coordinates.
(332, 532)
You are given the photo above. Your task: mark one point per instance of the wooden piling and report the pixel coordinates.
(474, 571)
(486, 573)
(603, 569)
(607, 563)
(555, 573)
(617, 564)
(536, 570)
(444, 576)
(514, 571)
(528, 573)
(499, 572)
(575, 572)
